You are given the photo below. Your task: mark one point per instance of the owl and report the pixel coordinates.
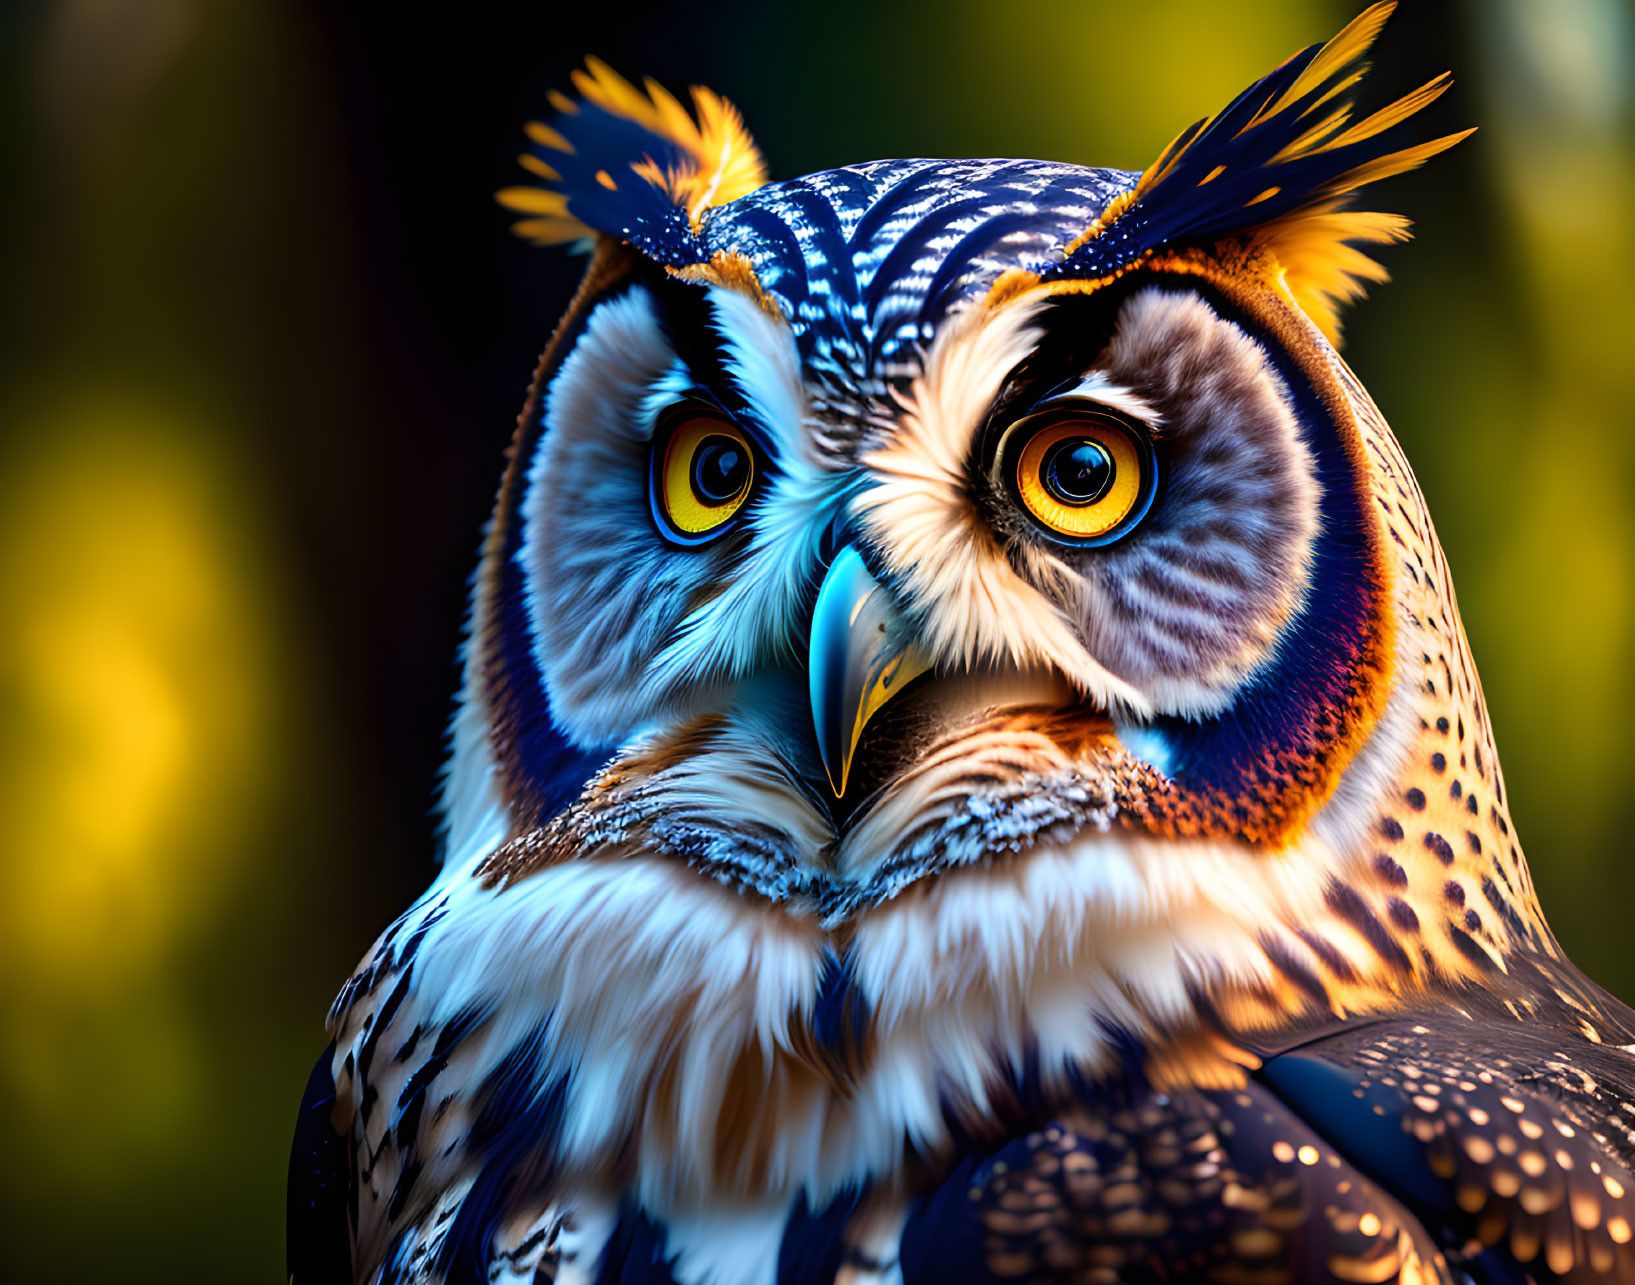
(968, 766)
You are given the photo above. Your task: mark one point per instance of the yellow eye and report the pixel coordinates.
(703, 470)
(1087, 477)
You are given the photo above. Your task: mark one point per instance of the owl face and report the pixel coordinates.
(852, 518)
(1103, 504)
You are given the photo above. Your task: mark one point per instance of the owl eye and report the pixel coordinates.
(1086, 476)
(703, 470)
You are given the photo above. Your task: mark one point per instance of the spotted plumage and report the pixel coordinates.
(968, 765)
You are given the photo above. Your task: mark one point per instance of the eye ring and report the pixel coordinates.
(1085, 475)
(701, 473)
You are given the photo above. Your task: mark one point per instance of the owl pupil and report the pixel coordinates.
(720, 470)
(1077, 471)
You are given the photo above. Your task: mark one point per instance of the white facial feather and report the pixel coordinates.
(1175, 617)
(1189, 605)
(629, 629)
(588, 541)
(757, 614)
(474, 814)
(967, 601)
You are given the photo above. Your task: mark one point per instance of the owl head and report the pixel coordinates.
(928, 517)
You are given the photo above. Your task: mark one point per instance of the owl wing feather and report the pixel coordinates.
(1511, 1133)
(1479, 1144)
(1443, 1145)
(1190, 1186)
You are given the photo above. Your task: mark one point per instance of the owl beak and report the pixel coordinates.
(857, 660)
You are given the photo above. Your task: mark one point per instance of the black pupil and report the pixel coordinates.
(720, 470)
(1077, 471)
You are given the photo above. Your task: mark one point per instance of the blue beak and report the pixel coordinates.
(857, 660)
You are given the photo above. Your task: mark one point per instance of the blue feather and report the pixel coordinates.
(635, 1251)
(1286, 698)
(814, 1244)
(1330, 1099)
(840, 1017)
(518, 1119)
(1282, 147)
(633, 209)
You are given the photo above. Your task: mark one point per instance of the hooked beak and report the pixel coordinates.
(857, 660)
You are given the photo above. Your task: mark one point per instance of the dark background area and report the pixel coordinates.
(264, 339)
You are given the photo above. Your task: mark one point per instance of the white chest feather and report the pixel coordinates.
(682, 1022)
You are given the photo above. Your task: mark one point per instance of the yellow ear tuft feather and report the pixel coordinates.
(1276, 167)
(1316, 245)
(693, 160)
(1323, 270)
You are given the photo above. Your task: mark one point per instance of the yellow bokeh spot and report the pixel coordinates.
(132, 674)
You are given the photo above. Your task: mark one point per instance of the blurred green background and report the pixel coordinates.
(264, 340)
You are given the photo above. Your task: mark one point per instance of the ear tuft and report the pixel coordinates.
(1278, 165)
(633, 164)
